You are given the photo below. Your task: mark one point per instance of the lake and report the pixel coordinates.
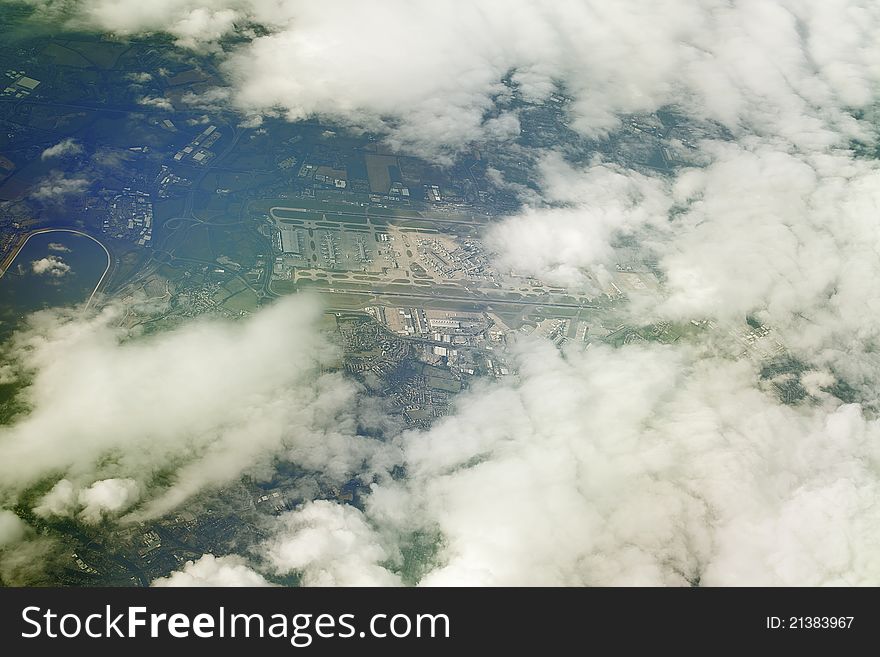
(55, 268)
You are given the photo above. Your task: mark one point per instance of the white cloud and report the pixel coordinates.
(57, 185)
(761, 229)
(786, 233)
(59, 501)
(107, 497)
(599, 203)
(441, 65)
(7, 375)
(156, 101)
(641, 465)
(783, 68)
(213, 571)
(203, 25)
(50, 266)
(12, 528)
(64, 147)
(92, 503)
(209, 401)
(638, 465)
(329, 544)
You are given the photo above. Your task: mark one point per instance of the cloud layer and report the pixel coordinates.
(210, 401)
(643, 465)
(214, 571)
(785, 68)
(640, 466)
(646, 464)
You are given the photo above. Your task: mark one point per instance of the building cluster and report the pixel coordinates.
(432, 193)
(289, 239)
(130, 216)
(330, 170)
(135, 555)
(168, 182)
(369, 348)
(202, 299)
(420, 402)
(451, 328)
(423, 373)
(330, 249)
(398, 191)
(82, 565)
(463, 343)
(287, 163)
(272, 502)
(473, 261)
(323, 176)
(760, 342)
(339, 250)
(19, 85)
(150, 541)
(467, 259)
(386, 250)
(436, 258)
(199, 149)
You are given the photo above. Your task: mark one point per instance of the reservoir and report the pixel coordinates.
(54, 268)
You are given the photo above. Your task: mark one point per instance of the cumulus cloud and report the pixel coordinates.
(593, 207)
(22, 553)
(642, 465)
(783, 68)
(95, 502)
(57, 185)
(645, 465)
(12, 528)
(784, 234)
(649, 464)
(59, 501)
(156, 101)
(213, 571)
(329, 545)
(64, 147)
(109, 496)
(791, 232)
(58, 247)
(50, 266)
(7, 375)
(203, 25)
(206, 402)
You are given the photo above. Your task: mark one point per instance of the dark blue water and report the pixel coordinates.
(53, 269)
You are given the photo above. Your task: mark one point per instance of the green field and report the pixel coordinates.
(243, 301)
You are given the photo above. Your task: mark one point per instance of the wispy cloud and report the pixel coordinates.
(62, 148)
